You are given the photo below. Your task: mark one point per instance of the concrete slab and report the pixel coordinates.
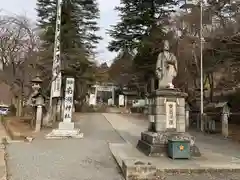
(136, 165)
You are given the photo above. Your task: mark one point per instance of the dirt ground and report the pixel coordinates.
(18, 127)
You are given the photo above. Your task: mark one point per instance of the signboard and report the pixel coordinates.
(68, 101)
(104, 88)
(92, 99)
(57, 76)
(56, 86)
(121, 100)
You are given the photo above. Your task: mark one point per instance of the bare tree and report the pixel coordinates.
(18, 54)
(220, 24)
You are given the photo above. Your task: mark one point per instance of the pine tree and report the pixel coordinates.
(78, 38)
(141, 28)
(138, 19)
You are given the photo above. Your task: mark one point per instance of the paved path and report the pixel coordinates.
(70, 159)
(130, 129)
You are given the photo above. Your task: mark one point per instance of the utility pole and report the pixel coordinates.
(189, 4)
(55, 97)
(201, 63)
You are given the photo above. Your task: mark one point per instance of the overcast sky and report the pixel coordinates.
(107, 14)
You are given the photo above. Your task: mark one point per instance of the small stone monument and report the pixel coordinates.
(167, 107)
(66, 128)
(36, 101)
(225, 117)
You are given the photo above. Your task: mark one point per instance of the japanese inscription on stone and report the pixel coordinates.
(68, 103)
(171, 114)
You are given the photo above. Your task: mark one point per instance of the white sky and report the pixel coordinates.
(107, 17)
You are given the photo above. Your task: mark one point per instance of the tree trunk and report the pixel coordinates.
(211, 82)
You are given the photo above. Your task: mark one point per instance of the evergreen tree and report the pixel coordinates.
(78, 38)
(120, 70)
(141, 28)
(138, 19)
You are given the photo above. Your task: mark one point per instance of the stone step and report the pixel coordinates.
(132, 162)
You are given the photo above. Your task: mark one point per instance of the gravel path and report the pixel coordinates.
(70, 159)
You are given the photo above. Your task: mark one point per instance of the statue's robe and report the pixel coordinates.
(166, 72)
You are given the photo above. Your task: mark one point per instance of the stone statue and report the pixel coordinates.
(166, 67)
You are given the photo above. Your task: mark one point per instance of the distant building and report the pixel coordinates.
(6, 95)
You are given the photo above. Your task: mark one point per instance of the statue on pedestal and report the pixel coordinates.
(166, 111)
(166, 67)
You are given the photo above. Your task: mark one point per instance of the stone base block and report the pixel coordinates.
(137, 169)
(156, 143)
(156, 137)
(66, 125)
(64, 133)
(152, 149)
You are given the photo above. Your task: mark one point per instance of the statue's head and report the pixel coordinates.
(166, 45)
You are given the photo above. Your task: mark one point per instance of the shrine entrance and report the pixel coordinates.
(102, 94)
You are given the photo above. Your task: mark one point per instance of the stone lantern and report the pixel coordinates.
(38, 100)
(36, 83)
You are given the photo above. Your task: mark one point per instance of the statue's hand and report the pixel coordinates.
(171, 62)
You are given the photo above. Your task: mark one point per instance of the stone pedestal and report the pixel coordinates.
(65, 130)
(156, 143)
(168, 111)
(153, 143)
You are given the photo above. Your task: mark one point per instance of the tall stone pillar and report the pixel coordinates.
(66, 128)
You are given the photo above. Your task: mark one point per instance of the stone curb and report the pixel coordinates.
(198, 171)
(3, 149)
(114, 157)
(122, 137)
(150, 172)
(5, 177)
